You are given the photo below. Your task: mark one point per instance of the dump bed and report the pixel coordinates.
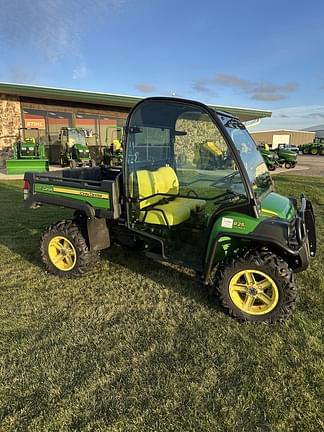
(96, 190)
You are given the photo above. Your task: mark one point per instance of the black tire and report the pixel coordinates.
(271, 167)
(72, 163)
(305, 151)
(62, 161)
(288, 165)
(84, 260)
(314, 151)
(270, 264)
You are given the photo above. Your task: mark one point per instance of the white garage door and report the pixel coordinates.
(280, 139)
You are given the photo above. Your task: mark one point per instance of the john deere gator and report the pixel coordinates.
(225, 223)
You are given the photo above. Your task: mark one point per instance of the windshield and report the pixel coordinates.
(252, 160)
(77, 136)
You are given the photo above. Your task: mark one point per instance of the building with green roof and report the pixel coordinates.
(49, 109)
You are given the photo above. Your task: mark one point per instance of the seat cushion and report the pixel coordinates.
(192, 203)
(175, 213)
(163, 181)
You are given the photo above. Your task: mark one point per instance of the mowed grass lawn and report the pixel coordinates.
(138, 346)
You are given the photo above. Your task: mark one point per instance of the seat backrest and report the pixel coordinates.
(164, 180)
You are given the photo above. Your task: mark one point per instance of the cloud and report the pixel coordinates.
(202, 86)
(16, 73)
(271, 92)
(80, 71)
(232, 81)
(316, 115)
(52, 30)
(145, 88)
(263, 91)
(299, 117)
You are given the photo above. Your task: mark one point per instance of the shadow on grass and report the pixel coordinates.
(23, 228)
(179, 279)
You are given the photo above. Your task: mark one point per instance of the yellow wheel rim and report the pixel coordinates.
(62, 253)
(253, 292)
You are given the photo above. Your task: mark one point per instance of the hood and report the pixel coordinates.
(277, 205)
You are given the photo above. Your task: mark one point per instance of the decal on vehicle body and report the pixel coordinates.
(227, 222)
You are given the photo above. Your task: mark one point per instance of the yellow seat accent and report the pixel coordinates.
(174, 212)
(163, 181)
(192, 203)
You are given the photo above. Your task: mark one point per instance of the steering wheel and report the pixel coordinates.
(227, 179)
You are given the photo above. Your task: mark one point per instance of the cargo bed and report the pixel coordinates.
(96, 190)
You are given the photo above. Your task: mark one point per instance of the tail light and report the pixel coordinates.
(26, 189)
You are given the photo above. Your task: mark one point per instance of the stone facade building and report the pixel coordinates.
(50, 109)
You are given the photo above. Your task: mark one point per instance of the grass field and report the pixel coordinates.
(136, 346)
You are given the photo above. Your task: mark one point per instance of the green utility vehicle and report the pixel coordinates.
(28, 153)
(227, 223)
(74, 149)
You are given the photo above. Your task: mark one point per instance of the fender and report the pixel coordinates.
(97, 230)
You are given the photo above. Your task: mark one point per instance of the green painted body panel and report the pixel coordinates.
(287, 155)
(277, 205)
(96, 199)
(20, 166)
(272, 205)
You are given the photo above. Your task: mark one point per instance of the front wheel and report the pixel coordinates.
(288, 165)
(257, 285)
(271, 167)
(314, 151)
(64, 250)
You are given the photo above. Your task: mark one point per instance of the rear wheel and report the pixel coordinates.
(305, 151)
(72, 163)
(64, 250)
(314, 151)
(257, 286)
(271, 167)
(288, 165)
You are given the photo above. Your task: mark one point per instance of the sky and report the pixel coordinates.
(254, 54)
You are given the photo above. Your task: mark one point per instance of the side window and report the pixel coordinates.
(151, 145)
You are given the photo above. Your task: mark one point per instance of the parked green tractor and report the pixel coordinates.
(74, 149)
(226, 223)
(312, 148)
(28, 153)
(113, 149)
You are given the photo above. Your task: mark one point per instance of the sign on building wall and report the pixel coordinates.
(35, 123)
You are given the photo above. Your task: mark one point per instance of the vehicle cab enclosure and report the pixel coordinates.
(197, 189)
